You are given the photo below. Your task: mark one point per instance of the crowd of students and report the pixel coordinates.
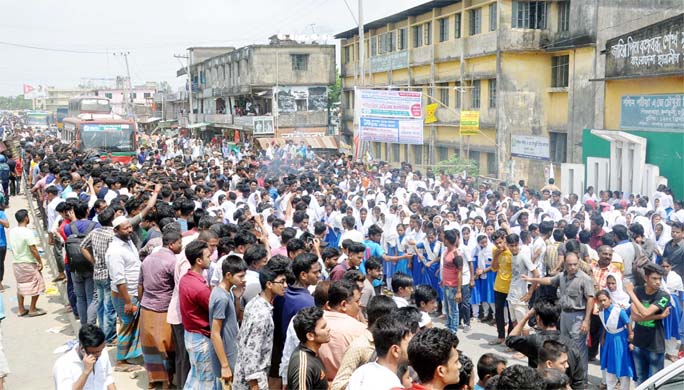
(279, 267)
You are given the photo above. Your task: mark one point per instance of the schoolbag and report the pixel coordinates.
(77, 262)
(640, 260)
(4, 172)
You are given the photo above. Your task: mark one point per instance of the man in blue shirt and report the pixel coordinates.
(374, 249)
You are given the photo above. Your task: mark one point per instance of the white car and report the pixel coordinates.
(669, 378)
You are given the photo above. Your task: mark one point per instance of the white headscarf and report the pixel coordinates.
(619, 296)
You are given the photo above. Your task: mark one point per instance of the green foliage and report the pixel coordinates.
(456, 166)
(15, 103)
(334, 91)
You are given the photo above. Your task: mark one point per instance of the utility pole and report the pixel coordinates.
(127, 89)
(187, 71)
(362, 71)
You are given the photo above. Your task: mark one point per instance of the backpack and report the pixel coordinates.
(4, 172)
(640, 260)
(77, 262)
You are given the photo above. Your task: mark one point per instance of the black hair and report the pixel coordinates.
(340, 291)
(170, 237)
(305, 321)
(373, 263)
(271, 271)
(620, 232)
(545, 227)
(651, 268)
(401, 280)
(557, 235)
(424, 293)
(499, 234)
(287, 235)
(195, 250)
(554, 379)
(584, 236)
(548, 311)
(551, 350)
(244, 238)
(254, 253)
(429, 349)
(373, 230)
(90, 336)
(356, 247)
(378, 306)
(21, 215)
(303, 263)
(233, 264)
(512, 238)
(320, 294)
(520, 377)
(488, 365)
(329, 252)
(466, 370)
(388, 331)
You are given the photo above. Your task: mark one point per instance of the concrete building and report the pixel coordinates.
(141, 98)
(279, 89)
(59, 97)
(525, 66)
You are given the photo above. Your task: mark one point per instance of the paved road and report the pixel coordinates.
(30, 343)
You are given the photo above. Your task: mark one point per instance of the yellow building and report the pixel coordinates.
(524, 65)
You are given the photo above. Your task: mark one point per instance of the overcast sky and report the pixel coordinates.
(152, 31)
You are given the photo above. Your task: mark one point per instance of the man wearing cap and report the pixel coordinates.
(123, 263)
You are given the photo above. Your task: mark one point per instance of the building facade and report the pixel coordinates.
(141, 98)
(525, 66)
(285, 81)
(59, 97)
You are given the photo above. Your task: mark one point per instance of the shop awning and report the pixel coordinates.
(198, 125)
(325, 142)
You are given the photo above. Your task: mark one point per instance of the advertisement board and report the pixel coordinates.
(396, 131)
(530, 147)
(389, 104)
(263, 125)
(470, 122)
(649, 112)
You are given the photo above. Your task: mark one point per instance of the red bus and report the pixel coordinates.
(110, 138)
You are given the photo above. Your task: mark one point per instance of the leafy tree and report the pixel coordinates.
(456, 166)
(334, 91)
(15, 103)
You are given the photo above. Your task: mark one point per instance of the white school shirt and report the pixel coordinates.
(68, 369)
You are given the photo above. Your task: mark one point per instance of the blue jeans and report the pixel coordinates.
(451, 308)
(464, 306)
(71, 295)
(106, 315)
(84, 289)
(647, 363)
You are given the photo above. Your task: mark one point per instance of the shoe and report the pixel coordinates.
(466, 328)
(496, 342)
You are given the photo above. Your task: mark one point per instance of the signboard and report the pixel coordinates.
(396, 131)
(654, 49)
(391, 61)
(105, 127)
(35, 92)
(389, 104)
(430, 113)
(530, 147)
(293, 99)
(263, 125)
(470, 122)
(644, 112)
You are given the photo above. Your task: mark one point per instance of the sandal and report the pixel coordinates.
(496, 342)
(24, 314)
(126, 368)
(37, 313)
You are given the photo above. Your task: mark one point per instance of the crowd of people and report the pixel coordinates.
(226, 266)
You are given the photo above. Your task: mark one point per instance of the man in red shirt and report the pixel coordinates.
(194, 293)
(433, 355)
(597, 232)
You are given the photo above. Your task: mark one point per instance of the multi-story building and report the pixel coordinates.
(59, 97)
(141, 98)
(280, 88)
(526, 66)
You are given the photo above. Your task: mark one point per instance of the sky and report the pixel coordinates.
(75, 40)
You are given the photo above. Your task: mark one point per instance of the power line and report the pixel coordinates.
(50, 49)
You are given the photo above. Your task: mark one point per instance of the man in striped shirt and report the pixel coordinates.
(306, 371)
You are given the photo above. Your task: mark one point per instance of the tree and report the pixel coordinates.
(456, 166)
(15, 103)
(334, 91)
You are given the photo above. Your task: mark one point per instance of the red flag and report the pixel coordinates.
(27, 89)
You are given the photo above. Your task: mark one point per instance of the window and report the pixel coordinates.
(374, 46)
(559, 71)
(134, 95)
(300, 61)
(390, 41)
(378, 150)
(563, 16)
(529, 14)
(427, 30)
(444, 94)
(402, 39)
(457, 26)
(492, 17)
(491, 164)
(475, 21)
(558, 146)
(443, 153)
(492, 93)
(459, 92)
(406, 153)
(346, 55)
(147, 95)
(474, 155)
(430, 95)
(417, 36)
(443, 29)
(395, 153)
(418, 152)
(475, 96)
(108, 95)
(382, 44)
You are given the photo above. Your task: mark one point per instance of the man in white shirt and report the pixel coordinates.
(521, 264)
(350, 232)
(85, 366)
(391, 339)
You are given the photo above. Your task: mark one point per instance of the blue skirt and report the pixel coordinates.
(486, 287)
(475, 293)
(429, 276)
(671, 322)
(333, 237)
(390, 267)
(616, 357)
